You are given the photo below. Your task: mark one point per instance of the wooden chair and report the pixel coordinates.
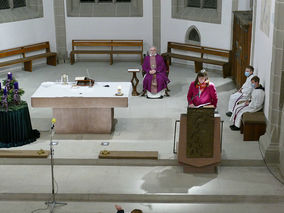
(166, 60)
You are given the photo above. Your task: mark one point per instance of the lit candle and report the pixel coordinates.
(119, 90)
(16, 85)
(9, 75)
(5, 91)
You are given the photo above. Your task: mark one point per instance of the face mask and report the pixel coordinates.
(252, 85)
(247, 74)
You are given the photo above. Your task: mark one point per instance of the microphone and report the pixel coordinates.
(53, 121)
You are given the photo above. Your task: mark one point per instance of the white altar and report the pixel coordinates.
(82, 109)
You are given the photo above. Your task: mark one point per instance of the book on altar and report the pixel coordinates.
(84, 81)
(80, 78)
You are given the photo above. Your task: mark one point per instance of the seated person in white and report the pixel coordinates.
(243, 93)
(253, 105)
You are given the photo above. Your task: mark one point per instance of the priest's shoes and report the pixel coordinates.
(229, 114)
(234, 128)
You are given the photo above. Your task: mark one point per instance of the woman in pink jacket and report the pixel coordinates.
(202, 92)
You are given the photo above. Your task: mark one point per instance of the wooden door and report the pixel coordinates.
(241, 45)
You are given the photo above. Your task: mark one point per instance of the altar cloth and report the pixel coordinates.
(100, 89)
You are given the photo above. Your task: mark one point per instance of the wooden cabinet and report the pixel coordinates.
(241, 45)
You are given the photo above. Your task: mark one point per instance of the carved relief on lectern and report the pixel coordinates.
(200, 133)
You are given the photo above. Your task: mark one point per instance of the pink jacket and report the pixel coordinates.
(209, 95)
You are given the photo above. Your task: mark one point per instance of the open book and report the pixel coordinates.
(202, 105)
(84, 81)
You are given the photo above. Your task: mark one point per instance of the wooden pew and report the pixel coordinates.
(22, 52)
(200, 59)
(110, 48)
(253, 125)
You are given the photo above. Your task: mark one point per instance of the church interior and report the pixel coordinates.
(249, 174)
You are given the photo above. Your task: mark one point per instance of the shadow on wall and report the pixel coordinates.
(173, 180)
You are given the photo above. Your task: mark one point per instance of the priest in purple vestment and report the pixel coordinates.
(156, 79)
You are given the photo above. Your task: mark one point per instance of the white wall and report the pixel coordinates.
(13, 34)
(111, 28)
(212, 35)
(244, 5)
(263, 52)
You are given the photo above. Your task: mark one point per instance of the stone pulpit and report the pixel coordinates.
(199, 148)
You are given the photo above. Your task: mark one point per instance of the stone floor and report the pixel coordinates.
(87, 184)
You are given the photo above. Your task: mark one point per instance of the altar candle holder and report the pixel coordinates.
(64, 79)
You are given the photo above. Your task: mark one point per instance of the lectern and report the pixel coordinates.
(199, 140)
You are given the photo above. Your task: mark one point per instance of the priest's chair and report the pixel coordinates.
(166, 60)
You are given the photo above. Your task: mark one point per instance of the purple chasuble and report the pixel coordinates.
(161, 75)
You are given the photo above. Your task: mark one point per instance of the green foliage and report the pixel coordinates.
(14, 107)
(13, 97)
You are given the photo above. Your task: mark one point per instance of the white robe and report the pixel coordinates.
(156, 95)
(241, 96)
(256, 104)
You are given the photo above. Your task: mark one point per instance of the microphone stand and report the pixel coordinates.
(52, 204)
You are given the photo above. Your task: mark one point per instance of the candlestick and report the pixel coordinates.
(10, 76)
(16, 85)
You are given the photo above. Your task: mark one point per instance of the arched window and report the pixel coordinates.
(192, 36)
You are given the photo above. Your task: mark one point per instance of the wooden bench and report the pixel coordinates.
(110, 48)
(253, 125)
(22, 52)
(200, 59)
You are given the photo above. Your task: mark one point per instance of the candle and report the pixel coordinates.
(5, 91)
(9, 75)
(119, 90)
(16, 85)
